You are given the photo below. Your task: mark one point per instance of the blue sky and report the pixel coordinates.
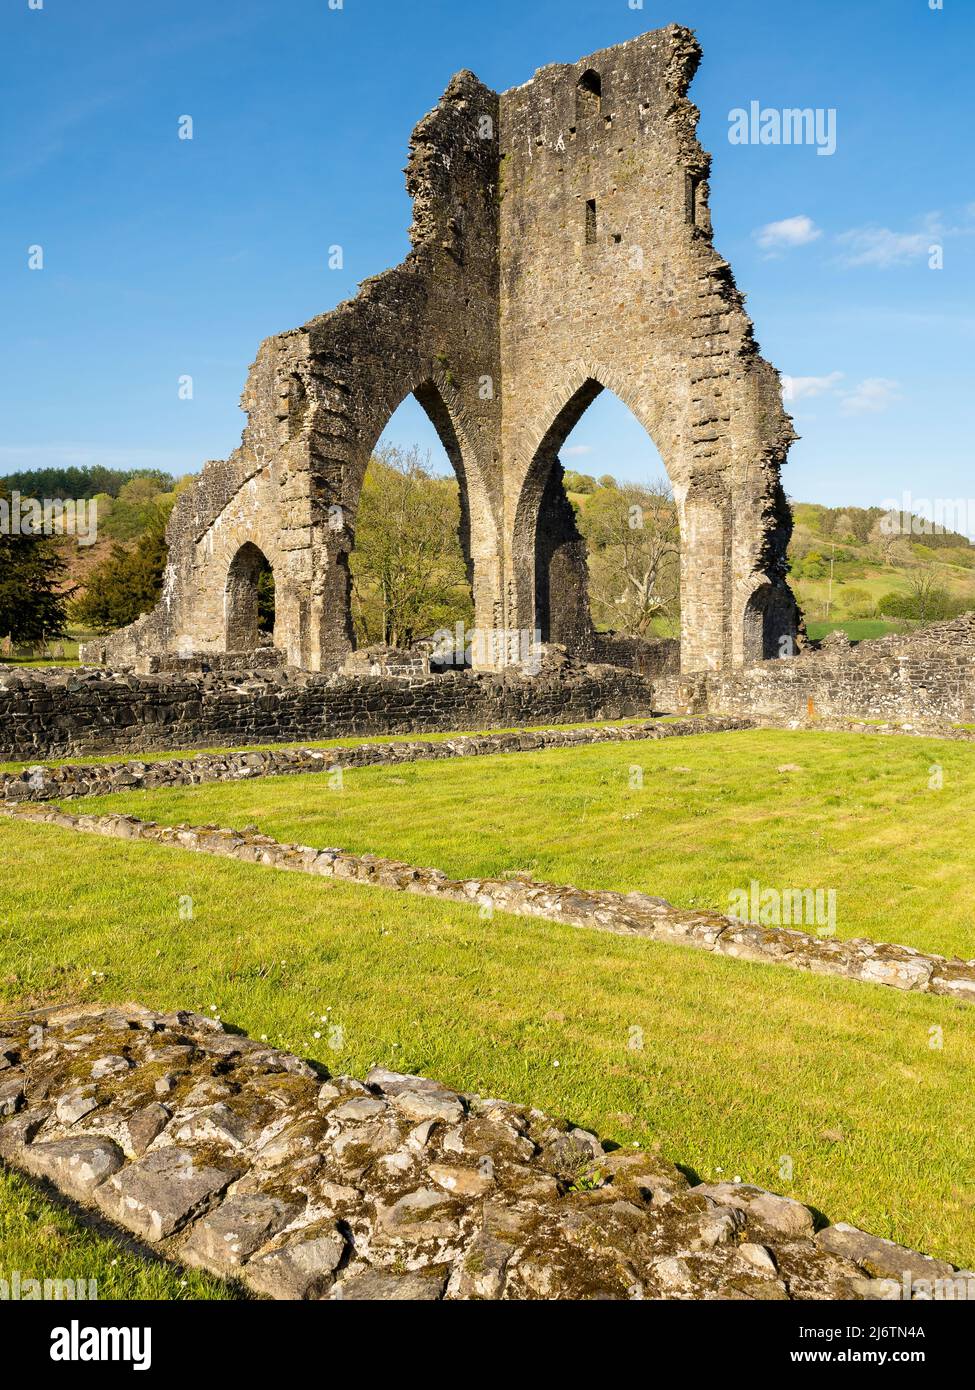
(165, 258)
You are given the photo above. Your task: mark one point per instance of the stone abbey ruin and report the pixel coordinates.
(561, 246)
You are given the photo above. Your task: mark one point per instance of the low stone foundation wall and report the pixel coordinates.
(46, 714)
(98, 779)
(925, 678)
(225, 1154)
(625, 914)
(658, 656)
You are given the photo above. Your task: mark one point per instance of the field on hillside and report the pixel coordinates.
(689, 819)
(840, 577)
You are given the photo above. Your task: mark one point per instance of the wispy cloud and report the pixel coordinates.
(798, 388)
(882, 248)
(776, 237)
(871, 396)
(575, 450)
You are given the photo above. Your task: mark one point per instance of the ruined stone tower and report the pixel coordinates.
(561, 244)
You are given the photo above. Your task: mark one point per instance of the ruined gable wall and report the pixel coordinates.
(508, 315)
(635, 296)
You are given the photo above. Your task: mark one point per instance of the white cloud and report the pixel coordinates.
(790, 232)
(576, 450)
(871, 396)
(797, 388)
(882, 248)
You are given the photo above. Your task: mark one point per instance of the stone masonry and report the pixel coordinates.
(40, 783)
(561, 245)
(60, 713)
(225, 1154)
(925, 677)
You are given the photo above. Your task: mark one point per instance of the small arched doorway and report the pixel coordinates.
(249, 600)
(771, 618)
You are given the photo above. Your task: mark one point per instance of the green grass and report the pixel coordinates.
(742, 1066)
(712, 815)
(168, 755)
(857, 629)
(42, 1239)
(19, 661)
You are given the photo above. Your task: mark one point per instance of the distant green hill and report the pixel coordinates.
(855, 570)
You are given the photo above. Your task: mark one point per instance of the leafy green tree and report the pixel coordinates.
(32, 593)
(409, 578)
(265, 601)
(926, 600)
(579, 482)
(126, 583)
(32, 597)
(133, 511)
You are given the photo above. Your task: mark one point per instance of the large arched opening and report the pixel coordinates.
(597, 537)
(249, 601)
(422, 543)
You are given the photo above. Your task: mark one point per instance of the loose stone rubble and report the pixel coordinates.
(228, 1155)
(41, 783)
(626, 914)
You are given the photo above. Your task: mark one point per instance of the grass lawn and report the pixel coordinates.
(42, 1239)
(857, 629)
(732, 1068)
(713, 813)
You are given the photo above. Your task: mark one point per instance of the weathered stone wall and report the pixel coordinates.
(609, 280)
(44, 715)
(927, 677)
(226, 1154)
(655, 656)
(561, 246)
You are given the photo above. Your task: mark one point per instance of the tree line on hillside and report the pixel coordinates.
(82, 483)
(882, 526)
(849, 544)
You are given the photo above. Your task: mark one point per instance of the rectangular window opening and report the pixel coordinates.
(590, 222)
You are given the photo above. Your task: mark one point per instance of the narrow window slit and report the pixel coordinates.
(590, 222)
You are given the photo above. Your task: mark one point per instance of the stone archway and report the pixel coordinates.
(566, 217)
(245, 619)
(478, 532)
(769, 624)
(551, 576)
